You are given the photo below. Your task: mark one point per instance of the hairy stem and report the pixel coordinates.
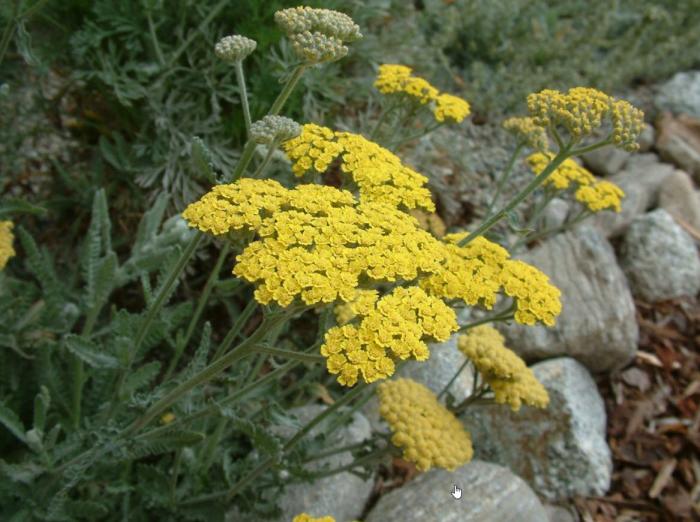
(287, 89)
(502, 180)
(240, 77)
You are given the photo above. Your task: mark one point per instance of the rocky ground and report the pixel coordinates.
(620, 440)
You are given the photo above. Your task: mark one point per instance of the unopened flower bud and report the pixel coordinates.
(325, 21)
(526, 131)
(234, 48)
(274, 127)
(316, 47)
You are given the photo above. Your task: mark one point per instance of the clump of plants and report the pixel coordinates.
(169, 412)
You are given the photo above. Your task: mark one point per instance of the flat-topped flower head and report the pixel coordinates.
(452, 108)
(234, 48)
(305, 517)
(379, 174)
(6, 239)
(274, 128)
(325, 21)
(428, 433)
(395, 326)
(510, 379)
(399, 79)
(583, 110)
(595, 195)
(527, 132)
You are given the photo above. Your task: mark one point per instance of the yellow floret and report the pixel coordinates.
(449, 107)
(304, 517)
(602, 195)
(6, 239)
(526, 131)
(428, 433)
(510, 379)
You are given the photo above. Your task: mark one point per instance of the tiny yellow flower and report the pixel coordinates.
(6, 239)
(304, 517)
(428, 433)
(167, 418)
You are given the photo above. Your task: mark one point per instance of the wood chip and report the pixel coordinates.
(649, 358)
(662, 478)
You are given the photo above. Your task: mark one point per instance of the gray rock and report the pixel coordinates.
(679, 198)
(560, 451)
(342, 496)
(597, 324)
(606, 161)
(555, 213)
(560, 513)
(641, 181)
(681, 94)
(660, 258)
(646, 138)
(678, 142)
(489, 493)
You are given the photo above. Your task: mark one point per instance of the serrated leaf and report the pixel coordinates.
(165, 443)
(261, 439)
(12, 422)
(141, 377)
(201, 160)
(89, 352)
(10, 206)
(86, 509)
(25, 472)
(150, 222)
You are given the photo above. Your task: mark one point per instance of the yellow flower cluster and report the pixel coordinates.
(398, 79)
(510, 379)
(6, 239)
(526, 131)
(582, 110)
(479, 271)
(594, 194)
(395, 326)
(378, 174)
(305, 517)
(602, 195)
(362, 304)
(428, 433)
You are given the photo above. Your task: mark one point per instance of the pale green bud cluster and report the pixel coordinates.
(274, 128)
(234, 48)
(317, 35)
(317, 48)
(325, 21)
(627, 123)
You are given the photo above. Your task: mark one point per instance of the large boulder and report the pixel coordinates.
(606, 161)
(641, 181)
(679, 142)
(660, 258)
(489, 493)
(679, 198)
(681, 94)
(560, 451)
(597, 323)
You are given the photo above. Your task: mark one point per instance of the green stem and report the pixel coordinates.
(261, 168)
(240, 77)
(244, 160)
(203, 298)
(210, 449)
(241, 320)
(153, 311)
(175, 473)
(424, 132)
(504, 177)
(503, 315)
(453, 379)
(536, 182)
(552, 230)
(287, 89)
(207, 374)
(380, 121)
(375, 456)
(154, 39)
(289, 354)
(9, 30)
(589, 148)
(334, 451)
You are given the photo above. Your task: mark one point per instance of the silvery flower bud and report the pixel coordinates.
(234, 48)
(325, 21)
(317, 47)
(272, 128)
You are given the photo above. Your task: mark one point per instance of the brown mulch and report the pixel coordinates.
(653, 409)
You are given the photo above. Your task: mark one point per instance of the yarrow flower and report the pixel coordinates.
(317, 35)
(595, 195)
(428, 433)
(379, 175)
(394, 326)
(526, 131)
(582, 110)
(274, 128)
(6, 239)
(304, 517)
(234, 48)
(478, 272)
(510, 379)
(398, 79)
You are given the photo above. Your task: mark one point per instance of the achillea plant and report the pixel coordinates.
(154, 425)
